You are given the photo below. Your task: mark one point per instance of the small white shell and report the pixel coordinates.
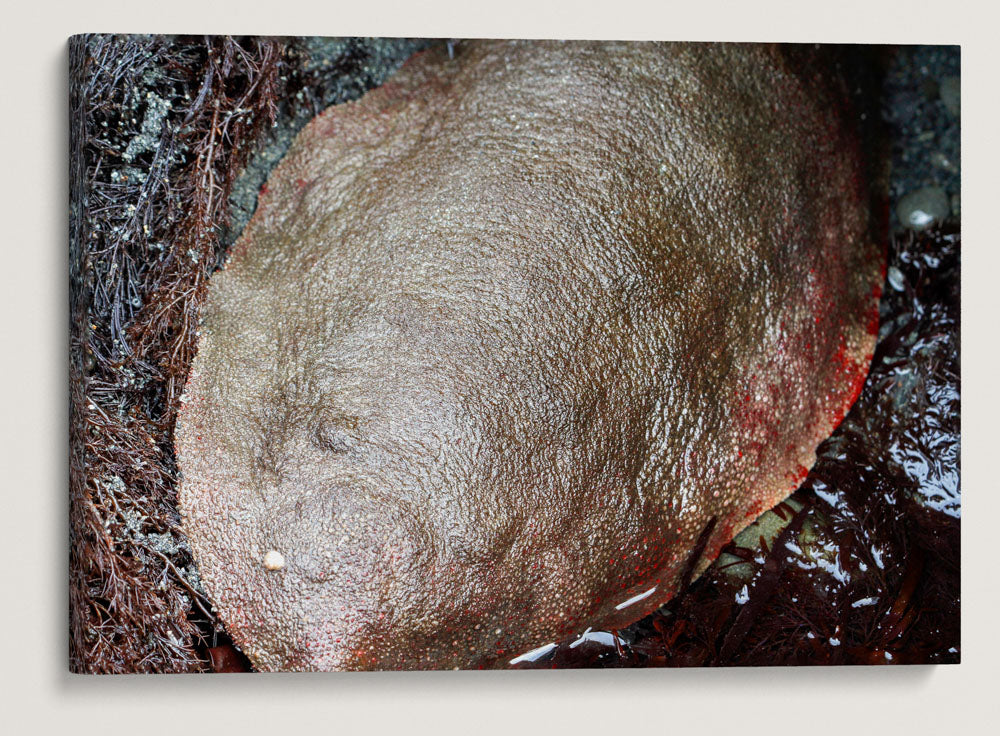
(274, 560)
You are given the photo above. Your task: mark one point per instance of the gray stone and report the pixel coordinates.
(896, 278)
(919, 209)
(941, 161)
(951, 95)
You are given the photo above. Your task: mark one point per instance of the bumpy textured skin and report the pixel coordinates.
(506, 335)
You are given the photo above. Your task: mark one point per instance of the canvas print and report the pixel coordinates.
(418, 354)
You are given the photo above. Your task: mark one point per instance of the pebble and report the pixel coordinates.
(274, 560)
(921, 208)
(951, 95)
(896, 278)
(941, 161)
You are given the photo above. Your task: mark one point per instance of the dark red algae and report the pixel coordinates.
(865, 568)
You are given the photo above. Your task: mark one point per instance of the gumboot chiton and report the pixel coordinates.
(509, 335)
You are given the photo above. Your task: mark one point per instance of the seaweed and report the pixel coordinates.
(170, 138)
(159, 129)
